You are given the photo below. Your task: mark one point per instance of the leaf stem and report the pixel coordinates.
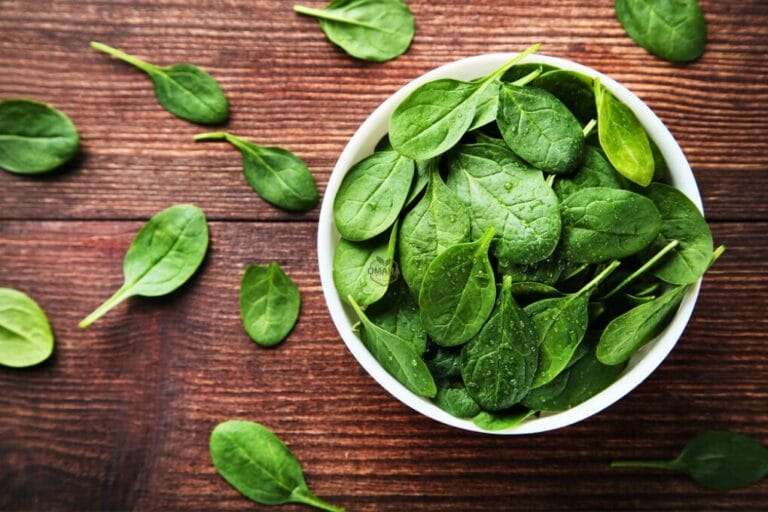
(576, 271)
(121, 55)
(599, 277)
(528, 78)
(325, 15)
(588, 129)
(201, 137)
(306, 497)
(716, 254)
(506, 66)
(119, 296)
(640, 271)
(655, 464)
(550, 180)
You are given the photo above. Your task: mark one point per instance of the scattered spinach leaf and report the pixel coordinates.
(269, 304)
(26, 338)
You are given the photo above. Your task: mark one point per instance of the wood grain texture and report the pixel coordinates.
(119, 418)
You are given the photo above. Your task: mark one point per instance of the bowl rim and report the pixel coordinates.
(362, 144)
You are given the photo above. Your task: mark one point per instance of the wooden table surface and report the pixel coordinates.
(119, 418)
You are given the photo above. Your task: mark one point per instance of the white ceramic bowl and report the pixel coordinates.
(362, 145)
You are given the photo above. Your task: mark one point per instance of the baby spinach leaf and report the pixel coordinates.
(623, 138)
(26, 338)
(256, 462)
(674, 30)
(719, 460)
(602, 223)
(445, 363)
(434, 117)
(372, 195)
(574, 89)
(546, 271)
(455, 400)
(595, 171)
(458, 292)
(184, 90)
(436, 223)
(269, 303)
(682, 221)
(488, 105)
(398, 313)
(628, 332)
(539, 128)
(561, 324)
(374, 30)
(396, 355)
(503, 192)
(35, 137)
(494, 421)
(165, 253)
(277, 175)
(363, 270)
(498, 365)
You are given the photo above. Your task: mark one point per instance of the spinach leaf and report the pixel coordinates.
(628, 332)
(498, 365)
(398, 313)
(363, 270)
(277, 175)
(372, 195)
(35, 137)
(488, 105)
(561, 324)
(546, 271)
(503, 192)
(374, 30)
(574, 89)
(436, 223)
(717, 460)
(458, 292)
(269, 303)
(674, 30)
(531, 290)
(424, 169)
(26, 338)
(455, 400)
(434, 117)
(520, 70)
(165, 253)
(595, 171)
(602, 223)
(501, 420)
(682, 221)
(623, 138)
(184, 90)
(256, 462)
(445, 363)
(539, 128)
(396, 355)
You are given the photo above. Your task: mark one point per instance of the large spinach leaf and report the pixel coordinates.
(26, 338)
(269, 303)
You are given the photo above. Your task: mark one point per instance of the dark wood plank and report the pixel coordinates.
(289, 87)
(120, 418)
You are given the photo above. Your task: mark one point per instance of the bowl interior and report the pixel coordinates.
(362, 145)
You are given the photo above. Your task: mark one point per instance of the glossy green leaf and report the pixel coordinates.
(34, 137)
(455, 400)
(488, 104)
(269, 303)
(168, 249)
(424, 169)
(595, 171)
(277, 175)
(26, 338)
(573, 89)
(546, 271)
(398, 313)
(184, 90)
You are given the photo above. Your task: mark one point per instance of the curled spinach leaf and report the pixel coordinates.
(277, 175)
(269, 303)
(595, 171)
(372, 195)
(26, 338)
(165, 253)
(458, 292)
(184, 90)
(374, 30)
(455, 400)
(34, 137)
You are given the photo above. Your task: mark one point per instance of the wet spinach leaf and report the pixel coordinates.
(256, 462)
(595, 171)
(527, 291)
(34, 137)
(26, 338)
(458, 292)
(546, 271)
(277, 175)
(184, 90)
(377, 30)
(455, 400)
(372, 195)
(269, 304)
(423, 169)
(399, 314)
(445, 363)
(167, 250)
(574, 89)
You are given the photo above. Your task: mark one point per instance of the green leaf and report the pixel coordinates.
(499, 363)
(184, 90)
(372, 195)
(445, 363)
(458, 292)
(494, 421)
(165, 253)
(269, 304)
(257, 464)
(455, 400)
(623, 138)
(674, 30)
(398, 313)
(573, 89)
(488, 104)
(277, 175)
(34, 137)
(546, 271)
(26, 338)
(595, 171)
(421, 178)
(374, 30)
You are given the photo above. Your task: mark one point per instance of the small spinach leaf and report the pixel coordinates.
(277, 175)
(269, 304)
(165, 253)
(398, 313)
(184, 90)
(35, 137)
(455, 400)
(256, 462)
(26, 338)
(595, 171)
